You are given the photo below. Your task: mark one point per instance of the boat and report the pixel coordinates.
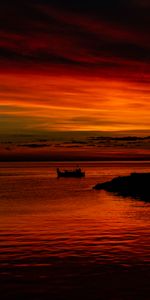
(77, 173)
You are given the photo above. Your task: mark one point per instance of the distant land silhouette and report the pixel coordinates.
(76, 146)
(136, 185)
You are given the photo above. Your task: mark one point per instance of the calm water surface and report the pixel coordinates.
(59, 239)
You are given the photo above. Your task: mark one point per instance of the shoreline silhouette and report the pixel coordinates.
(135, 185)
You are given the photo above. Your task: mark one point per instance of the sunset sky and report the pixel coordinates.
(74, 66)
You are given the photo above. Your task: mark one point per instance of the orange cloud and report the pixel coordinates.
(74, 67)
(74, 103)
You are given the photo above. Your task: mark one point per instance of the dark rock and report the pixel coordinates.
(136, 185)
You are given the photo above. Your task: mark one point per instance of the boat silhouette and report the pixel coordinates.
(77, 173)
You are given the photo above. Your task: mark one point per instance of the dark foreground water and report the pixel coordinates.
(59, 239)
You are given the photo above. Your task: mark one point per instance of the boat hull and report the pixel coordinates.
(70, 174)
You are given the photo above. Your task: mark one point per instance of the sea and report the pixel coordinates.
(62, 240)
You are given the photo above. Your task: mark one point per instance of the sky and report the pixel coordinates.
(74, 66)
